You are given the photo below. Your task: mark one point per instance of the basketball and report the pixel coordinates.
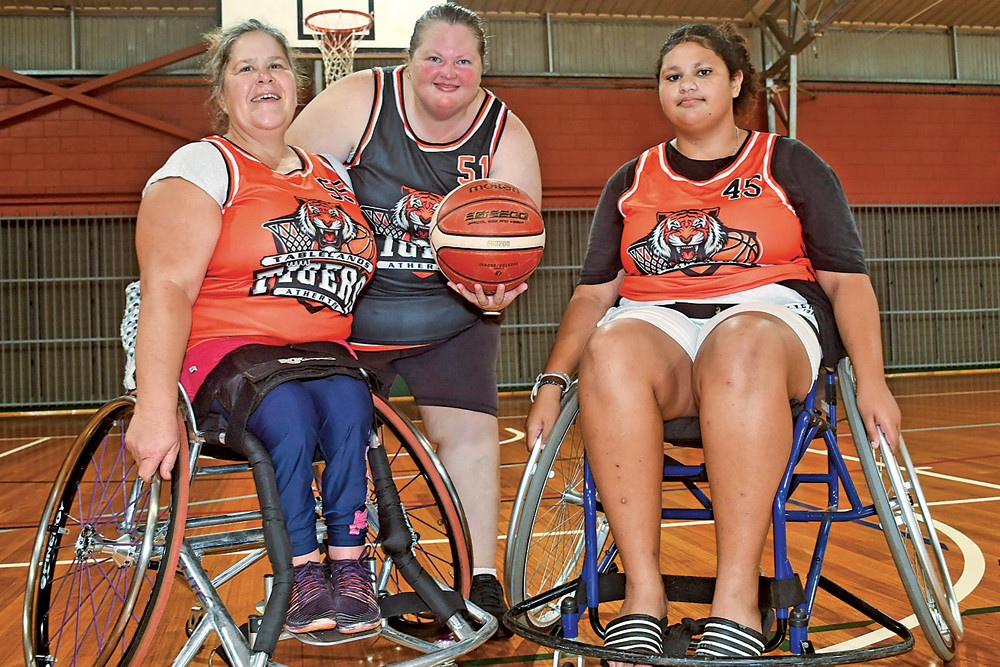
(487, 232)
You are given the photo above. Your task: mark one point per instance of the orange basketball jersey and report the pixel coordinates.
(685, 239)
(293, 254)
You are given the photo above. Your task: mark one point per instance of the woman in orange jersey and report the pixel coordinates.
(718, 262)
(245, 241)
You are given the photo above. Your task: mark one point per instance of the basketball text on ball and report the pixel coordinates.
(507, 215)
(493, 185)
(489, 233)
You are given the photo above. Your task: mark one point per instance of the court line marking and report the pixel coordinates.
(948, 393)
(972, 574)
(963, 501)
(517, 435)
(30, 444)
(920, 470)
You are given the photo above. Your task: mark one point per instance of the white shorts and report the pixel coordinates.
(690, 333)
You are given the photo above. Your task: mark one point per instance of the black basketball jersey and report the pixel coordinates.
(399, 179)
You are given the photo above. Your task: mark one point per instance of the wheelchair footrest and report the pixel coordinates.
(331, 637)
(696, 590)
(403, 604)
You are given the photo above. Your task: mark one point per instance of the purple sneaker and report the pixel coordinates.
(354, 603)
(311, 607)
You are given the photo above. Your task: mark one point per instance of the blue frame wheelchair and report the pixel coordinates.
(560, 557)
(109, 546)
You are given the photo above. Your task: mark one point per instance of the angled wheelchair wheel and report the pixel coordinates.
(908, 528)
(443, 546)
(105, 553)
(545, 540)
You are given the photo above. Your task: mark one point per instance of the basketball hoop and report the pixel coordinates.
(337, 31)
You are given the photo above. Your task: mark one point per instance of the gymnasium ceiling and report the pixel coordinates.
(853, 13)
(886, 14)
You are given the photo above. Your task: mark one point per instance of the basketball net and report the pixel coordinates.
(337, 31)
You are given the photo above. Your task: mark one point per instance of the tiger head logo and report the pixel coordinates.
(689, 235)
(689, 238)
(333, 229)
(413, 212)
(326, 222)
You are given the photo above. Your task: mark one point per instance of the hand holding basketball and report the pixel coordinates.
(487, 232)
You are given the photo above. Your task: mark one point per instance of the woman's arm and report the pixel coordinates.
(856, 311)
(586, 308)
(333, 122)
(515, 162)
(177, 229)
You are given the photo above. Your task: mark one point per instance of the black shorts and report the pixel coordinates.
(460, 372)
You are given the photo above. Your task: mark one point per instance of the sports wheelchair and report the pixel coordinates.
(560, 557)
(109, 546)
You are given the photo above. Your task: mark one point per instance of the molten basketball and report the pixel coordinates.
(487, 232)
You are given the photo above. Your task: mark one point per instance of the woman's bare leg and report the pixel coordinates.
(468, 444)
(744, 375)
(631, 375)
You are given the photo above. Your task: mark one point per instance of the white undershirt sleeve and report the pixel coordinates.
(200, 163)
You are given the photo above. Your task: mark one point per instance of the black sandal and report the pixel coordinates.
(678, 639)
(728, 639)
(636, 633)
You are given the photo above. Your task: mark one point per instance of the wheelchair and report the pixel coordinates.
(560, 555)
(109, 548)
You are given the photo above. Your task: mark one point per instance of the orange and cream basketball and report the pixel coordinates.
(487, 232)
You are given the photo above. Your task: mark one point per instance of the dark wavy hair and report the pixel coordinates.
(220, 51)
(730, 46)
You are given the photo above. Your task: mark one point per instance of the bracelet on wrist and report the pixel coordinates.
(560, 380)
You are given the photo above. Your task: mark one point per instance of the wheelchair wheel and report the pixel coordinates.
(105, 553)
(431, 503)
(545, 540)
(908, 528)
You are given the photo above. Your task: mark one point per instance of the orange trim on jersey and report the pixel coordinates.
(497, 133)
(451, 145)
(366, 136)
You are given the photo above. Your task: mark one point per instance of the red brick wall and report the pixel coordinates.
(907, 148)
(886, 146)
(70, 159)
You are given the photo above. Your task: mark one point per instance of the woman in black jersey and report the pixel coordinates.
(717, 262)
(409, 135)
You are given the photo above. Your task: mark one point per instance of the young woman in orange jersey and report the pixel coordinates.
(718, 262)
(409, 135)
(243, 239)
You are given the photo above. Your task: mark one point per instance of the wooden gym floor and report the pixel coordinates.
(952, 428)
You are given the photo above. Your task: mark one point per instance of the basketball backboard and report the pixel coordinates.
(394, 19)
